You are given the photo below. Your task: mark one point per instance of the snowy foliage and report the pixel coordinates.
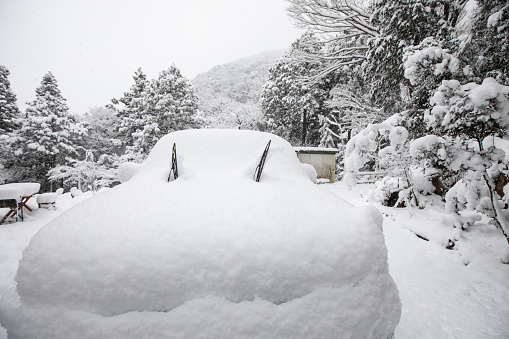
(224, 112)
(351, 111)
(341, 29)
(154, 108)
(103, 136)
(471, 110)
(47, 136)
(8, 108)
(402, 26)
(488, 45)
(360, 149)
(291, 107)
(88, 174)
(428, 56)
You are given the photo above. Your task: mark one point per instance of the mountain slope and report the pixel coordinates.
(241, 80)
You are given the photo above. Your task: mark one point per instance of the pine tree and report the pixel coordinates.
(171, 105)
(155, 108)
(291, 107)
(103, 137)
(488, 50)
(8, 108)
(46, 137)
(174, 101)
(130, 108)
(403, 24)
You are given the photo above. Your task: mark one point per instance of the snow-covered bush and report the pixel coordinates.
(360, 149)
(428, 59)
(465, 195)
(387, 191)
(88, 174)
(392, 157)
(471, 110)
(425, 66)
(429, 151)
(475, 113)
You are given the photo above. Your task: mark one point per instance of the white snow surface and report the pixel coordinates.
(427, 143)
(441, 296)
(212, 254)
(17, 190)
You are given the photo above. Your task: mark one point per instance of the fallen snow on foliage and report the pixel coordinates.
(212, 254)
(493, 20)
(429, 52)
(427, 143)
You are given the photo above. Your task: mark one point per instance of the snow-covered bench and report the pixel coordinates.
(14, 196)
(48, 199)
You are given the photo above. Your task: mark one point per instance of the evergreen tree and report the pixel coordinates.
(488, 49)
(103, 136)
(171, 105)
(426, 66)
(291, 107)
(403, 24)
(8, 108)
(130, 108)
(155, 108)
(47, 135)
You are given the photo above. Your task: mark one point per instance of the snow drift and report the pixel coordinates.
(212, 254)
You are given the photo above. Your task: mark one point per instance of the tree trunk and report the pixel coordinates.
(304, 128)
(499, 217)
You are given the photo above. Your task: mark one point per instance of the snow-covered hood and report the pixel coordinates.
(212, 254)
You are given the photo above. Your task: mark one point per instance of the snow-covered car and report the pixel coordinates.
(210, 253)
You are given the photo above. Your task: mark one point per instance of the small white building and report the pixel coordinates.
(322, 159)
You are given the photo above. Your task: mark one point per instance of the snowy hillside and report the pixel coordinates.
(229, 94)
(240, 80)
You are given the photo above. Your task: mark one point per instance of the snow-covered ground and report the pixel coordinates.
(459, 293)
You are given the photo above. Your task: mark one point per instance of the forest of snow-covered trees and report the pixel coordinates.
(416, 90)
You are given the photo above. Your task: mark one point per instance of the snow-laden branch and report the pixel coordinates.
(341, 24)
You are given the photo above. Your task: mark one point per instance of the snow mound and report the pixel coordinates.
(211, 254)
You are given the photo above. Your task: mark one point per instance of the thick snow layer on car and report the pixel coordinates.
(212, 254)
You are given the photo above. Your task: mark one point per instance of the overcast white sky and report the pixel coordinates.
(93, 47)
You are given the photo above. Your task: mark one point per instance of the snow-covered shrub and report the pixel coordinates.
(429, 151)
(360, 149)
(433, 155)
(88, 174)
(426, 59)
(465, 195)
(478, 113)
(471, 110)
(426, 65)
(387, 191)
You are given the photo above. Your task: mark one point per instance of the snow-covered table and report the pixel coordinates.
(14, 196)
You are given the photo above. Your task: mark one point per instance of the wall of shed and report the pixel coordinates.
(324, 164)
